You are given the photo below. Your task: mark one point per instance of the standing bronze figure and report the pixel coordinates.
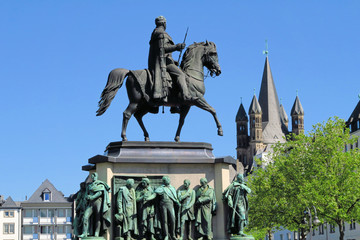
(205, 207)
(164, 84)
(126, 213)
(186, 197)
(146, 209)
(236, 198)
(98, 208)
(168, 204)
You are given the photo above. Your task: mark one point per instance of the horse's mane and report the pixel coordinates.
(188, 56)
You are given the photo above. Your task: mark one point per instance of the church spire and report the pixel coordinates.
(297, 116)
(274, 129)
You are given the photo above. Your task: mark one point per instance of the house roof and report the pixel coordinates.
(9, 203)
(46, 187)
(355, 115)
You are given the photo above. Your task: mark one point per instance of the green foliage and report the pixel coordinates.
(308, 170)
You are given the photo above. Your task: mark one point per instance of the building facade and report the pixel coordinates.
(46, 215)
(10, 219)
(268, 123)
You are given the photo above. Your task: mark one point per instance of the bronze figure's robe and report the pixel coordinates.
(159, 58)
(204, 211)
(126, 206)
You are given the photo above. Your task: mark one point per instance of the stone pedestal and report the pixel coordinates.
(236, 237)
(179, 161)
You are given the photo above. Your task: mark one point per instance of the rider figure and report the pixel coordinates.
(160, 62)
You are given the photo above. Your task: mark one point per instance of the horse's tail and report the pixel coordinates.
(115, 81)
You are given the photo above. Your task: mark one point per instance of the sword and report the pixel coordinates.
(183, 42)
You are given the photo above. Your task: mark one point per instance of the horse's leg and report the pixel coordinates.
(183, 112)
(130, 110)
(201, 103)
(139, 115)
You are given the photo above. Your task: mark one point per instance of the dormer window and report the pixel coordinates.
(46, 195)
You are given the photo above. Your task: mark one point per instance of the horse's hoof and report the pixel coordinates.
(124, 139)
(147, 139)
(177, 139)
(220, 132)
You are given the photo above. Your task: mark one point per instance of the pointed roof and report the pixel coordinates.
(255, 107)
(355, 115)
(297, 108)
(9, 202)
(47, 186)
(273, 127)
(268, 97)
(283, 115)
(241, 114)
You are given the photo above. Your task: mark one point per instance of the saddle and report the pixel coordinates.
(146, 83)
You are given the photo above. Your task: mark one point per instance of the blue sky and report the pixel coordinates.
(55, 57)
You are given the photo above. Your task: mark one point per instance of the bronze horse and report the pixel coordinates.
(139, 88)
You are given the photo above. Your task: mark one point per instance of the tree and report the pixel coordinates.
(309, 170)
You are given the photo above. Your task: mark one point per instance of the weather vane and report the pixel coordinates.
(297, 92)
(254, 91)
(266, 51)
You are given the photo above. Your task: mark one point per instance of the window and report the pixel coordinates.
(9, 214)
(352, 225)
(61, 229)
(296, 235)
(30, 229)
(51, 213)
(61, 212)
(43, 212)
(321, 229)
(43, 229)
(68, 212)
(29, 213)
(281, 237)
(289, 236)
(332, 228)
(9, 228)
(46, 196)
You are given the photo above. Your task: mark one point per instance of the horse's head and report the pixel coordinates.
(198, 55)
(211, 60)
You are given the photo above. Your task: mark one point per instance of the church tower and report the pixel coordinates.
(268, 121)
(242, 138)
(297, 117)
(256, 133)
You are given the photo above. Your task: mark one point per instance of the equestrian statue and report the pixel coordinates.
(164, 83)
